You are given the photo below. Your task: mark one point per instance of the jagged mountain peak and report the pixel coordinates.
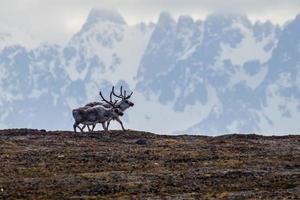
(298, 17)
(165, 18)
(265, 25)
(228, 19)
(226, 16)
(185, 20)
(295, 22)
(97, 15)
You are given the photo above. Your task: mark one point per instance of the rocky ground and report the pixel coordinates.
(37, 164)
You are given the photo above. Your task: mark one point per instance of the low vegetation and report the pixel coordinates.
(37, 164)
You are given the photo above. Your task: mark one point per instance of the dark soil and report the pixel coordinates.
(137, 165)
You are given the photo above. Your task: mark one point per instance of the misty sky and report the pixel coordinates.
(56, 20)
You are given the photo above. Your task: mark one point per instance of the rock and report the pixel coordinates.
(142, 142)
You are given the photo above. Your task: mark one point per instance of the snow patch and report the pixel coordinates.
(252, 81)
(248, 49)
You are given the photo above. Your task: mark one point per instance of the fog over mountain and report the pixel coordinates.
(224, 74)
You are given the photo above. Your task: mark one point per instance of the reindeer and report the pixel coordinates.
(122, 105)
(96, 114)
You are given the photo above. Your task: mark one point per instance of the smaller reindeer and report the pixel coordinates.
(122, 105)
(93, 115)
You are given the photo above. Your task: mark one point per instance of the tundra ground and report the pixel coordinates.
(37, 164)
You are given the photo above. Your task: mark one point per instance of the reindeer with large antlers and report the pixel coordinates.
(97, 114)
(123, 104)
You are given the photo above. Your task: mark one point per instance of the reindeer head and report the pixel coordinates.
(124, 103)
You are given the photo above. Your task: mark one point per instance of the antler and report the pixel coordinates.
(121, 91)
(111, 93)
(122, 96)
(119, 96)
(129, 95)
(113, 104)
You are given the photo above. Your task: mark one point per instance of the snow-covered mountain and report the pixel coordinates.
(223, 74)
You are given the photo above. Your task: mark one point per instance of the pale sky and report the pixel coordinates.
(55, 21)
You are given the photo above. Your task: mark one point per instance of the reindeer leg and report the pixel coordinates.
(89, 128)
(81, 130)
(104, 127)
(118, 120)
(94, 125)
(74, 126)
(83, 127)
(108, 122)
